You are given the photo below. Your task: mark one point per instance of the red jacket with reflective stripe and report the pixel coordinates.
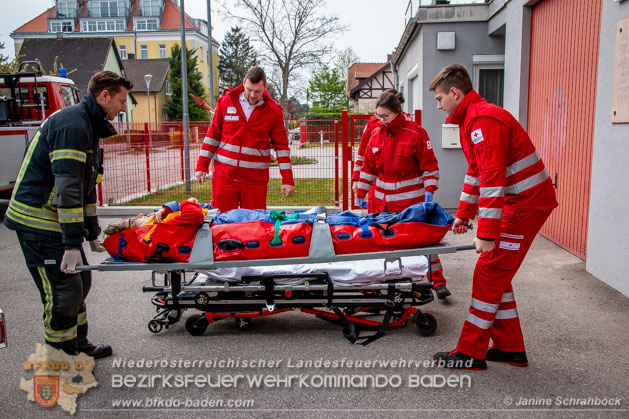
(400, 159)
(372, 123)
(504, 169)
(242, 149)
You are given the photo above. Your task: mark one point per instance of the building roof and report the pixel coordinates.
(39, 23)
(84, 55)
(358, 72)
(172, 17)
(136, 69)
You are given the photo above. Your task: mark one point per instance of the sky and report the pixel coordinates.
(375, 26)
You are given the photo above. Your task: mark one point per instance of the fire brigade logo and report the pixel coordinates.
(58, 378)
(46, 389)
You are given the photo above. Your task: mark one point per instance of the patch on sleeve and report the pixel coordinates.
(428, 145)
(231, 109)
(374, 150)
(509, 245)
(477, 136)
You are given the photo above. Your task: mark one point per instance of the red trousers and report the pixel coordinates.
(493, 312)
(228, 195)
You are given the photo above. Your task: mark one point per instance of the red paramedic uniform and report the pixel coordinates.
(372, 123)
(401, 165)
(508, 185)
(241, 150)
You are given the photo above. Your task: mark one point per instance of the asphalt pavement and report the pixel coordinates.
(575, 327)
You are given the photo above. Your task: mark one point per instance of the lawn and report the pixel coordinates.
(308, 192)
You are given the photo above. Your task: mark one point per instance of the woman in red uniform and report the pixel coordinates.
(400, 159)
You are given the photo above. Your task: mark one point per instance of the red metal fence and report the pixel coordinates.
(145, 166)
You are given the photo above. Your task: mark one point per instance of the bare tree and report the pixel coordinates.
(291, 33)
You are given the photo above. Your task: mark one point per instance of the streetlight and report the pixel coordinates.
(147, 79)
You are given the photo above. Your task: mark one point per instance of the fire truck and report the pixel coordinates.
(27, 98)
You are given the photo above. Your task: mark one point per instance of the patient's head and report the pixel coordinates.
(127, 223)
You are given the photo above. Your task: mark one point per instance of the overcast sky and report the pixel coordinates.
(375, 26)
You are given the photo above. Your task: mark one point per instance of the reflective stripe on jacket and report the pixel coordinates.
(400, 159)
(55, 192)
(241, 148)
(504, 169)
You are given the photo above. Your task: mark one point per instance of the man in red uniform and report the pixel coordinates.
(246, 124)
(400, 166)
(508, 185)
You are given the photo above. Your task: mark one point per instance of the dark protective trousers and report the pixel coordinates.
(63, 295)
(493, 313)
(228, 195)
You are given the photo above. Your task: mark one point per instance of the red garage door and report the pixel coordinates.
(562, 92)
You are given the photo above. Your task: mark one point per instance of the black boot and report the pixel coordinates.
(512, 358)
(442, 292)
(458, 360)
(95, 351)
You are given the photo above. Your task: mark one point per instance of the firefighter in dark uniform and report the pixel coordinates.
(53, 208)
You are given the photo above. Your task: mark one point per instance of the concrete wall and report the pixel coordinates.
(471, 38)
(608, 239)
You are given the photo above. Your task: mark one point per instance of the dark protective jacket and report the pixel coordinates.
(55, 192)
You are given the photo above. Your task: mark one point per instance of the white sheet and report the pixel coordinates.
(361, 272)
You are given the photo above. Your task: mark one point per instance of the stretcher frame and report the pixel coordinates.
(260, 295)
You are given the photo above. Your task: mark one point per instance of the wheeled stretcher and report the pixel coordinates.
(342, 288)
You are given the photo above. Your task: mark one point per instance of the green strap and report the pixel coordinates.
(279, 216)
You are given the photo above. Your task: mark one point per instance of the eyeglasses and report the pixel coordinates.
(381, 115)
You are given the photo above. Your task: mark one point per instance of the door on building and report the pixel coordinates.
(561, 109)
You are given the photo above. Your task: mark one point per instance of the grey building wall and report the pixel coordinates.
(471, 38)
(608, 240)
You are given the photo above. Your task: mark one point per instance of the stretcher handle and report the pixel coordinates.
(230, 244)
(465, 247)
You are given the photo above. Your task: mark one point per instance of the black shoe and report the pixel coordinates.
(458, 360)
(442, 292)
(513, 358)
(96, 351)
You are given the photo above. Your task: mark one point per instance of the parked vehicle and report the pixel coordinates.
(26, 99)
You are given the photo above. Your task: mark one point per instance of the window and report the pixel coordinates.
(161, 50)
(102, 26)
(68, 95)
(151, 7)
(66, 8)
(144, 52)
(201, 54)
(169, 91)
(489, 77)
(146, 25)
(61, 26)
(122, 50)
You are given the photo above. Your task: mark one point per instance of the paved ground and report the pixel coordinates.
(575, 328)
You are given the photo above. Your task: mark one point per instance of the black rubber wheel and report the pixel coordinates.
(196, 324)
(427, 325)
(155, 326)
(243, 323)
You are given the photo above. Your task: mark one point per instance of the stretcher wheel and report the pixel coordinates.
(155, 326)
(197, 324)
(426, 323)
(243, 323)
